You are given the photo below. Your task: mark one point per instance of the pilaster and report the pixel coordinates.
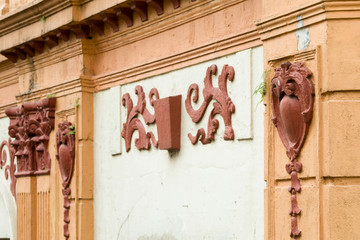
(322, 35)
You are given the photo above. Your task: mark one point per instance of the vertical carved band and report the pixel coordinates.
(65, 143)
(223, 105)
(292, 105)
(8, 162)
(30, 126)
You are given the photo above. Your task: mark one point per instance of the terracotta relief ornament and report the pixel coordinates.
(223, 105)
(8, 162)
(292, 106)
(65, 144)
(133, 123)
(30, 126)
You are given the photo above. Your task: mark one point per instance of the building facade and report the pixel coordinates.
(179, 119)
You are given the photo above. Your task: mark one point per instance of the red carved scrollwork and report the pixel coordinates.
(223, 105)
(30, 126)
(133, 123)
(292, 105)
(65, 143)
(8, 162)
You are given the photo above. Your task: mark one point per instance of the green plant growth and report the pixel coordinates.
(50, 95)
(261, 88)
(77, 102)
(72, 132)
(42, 19)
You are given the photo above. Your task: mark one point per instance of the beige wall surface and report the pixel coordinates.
(321, 33)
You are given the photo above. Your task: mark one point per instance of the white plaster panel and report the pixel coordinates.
(115, 120)
(7, 201)
(212, 191)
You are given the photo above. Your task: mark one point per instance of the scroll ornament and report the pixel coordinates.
(65, 143)
(8, 161)
(223, 105)
(292, 106)
(133, 123)
(30, 126)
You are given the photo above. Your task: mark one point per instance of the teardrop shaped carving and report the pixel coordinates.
(292, 104)
(290, 113)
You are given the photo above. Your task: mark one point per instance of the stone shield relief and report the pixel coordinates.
(292, 95)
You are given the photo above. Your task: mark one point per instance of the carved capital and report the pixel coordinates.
(30, 126)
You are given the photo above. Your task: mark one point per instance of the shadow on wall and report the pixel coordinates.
(7, 212)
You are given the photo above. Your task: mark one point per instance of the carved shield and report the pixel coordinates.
(292, 105)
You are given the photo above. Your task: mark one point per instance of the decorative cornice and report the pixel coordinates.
(86, 28)
(82, 84)
(313, 13)
(9, 79)
(172, 20)
(219, 48)
(63, 53)
(8, 74)
(30, 13)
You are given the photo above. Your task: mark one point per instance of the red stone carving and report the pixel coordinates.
(112, 20)
(140, 8)
(30, 125)
(51, 41)
(65, 144)
(81, 31)
(168, 122)
(28, 49)
(10, 55)
(133, 123)
(63, 34)
(37, 45)
(125, 14)
(97, 26)
(223, 105)
(157, 5)
(292, 105)
(20, 53)
(176, 3)
(10, 166)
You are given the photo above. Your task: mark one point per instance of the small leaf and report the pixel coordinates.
(77, 102)
(42, 19)
(261, 88)
(50, 95)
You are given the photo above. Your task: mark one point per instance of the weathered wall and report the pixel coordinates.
(212, 191)
(322, 35)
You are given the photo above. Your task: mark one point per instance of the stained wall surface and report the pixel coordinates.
(212, 191)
